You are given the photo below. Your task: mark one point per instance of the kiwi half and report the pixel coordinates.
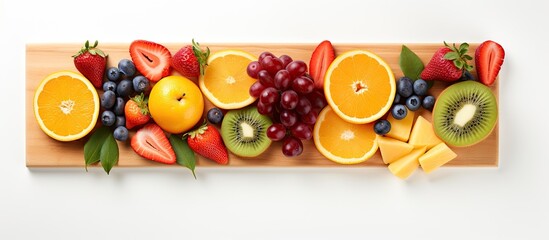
(244, 132)
(465, 113)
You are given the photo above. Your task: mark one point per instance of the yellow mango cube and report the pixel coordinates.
(423, 134)
(405, 166)
(400, 129)
(436, 157)
(392, 149)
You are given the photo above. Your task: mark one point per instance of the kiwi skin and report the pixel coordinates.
(230, 125)
(466, 86)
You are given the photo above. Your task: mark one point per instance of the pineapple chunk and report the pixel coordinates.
(406, 165)
(392, 149)
(400, 129)
(436, 157)
(423, 134)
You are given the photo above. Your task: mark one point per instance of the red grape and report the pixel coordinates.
(276, 132)
(269, 96)
(285, 60)
(253, 68)
(282, 79)
(292, 146)
(297, 68)
(303, 106)
(271, 64)
(289, 99)
(287, 117)
(302, 131)
(263, 55)
(264, 109)
(256, 89)
(303, 85)
(265, 78)
(317, 99)
(309, 118)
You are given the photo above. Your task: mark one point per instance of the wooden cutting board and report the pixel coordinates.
(42, 151)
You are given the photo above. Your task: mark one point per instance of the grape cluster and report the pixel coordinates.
(287, 95)
(123, 82)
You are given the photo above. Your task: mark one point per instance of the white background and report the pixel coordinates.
(509, 202)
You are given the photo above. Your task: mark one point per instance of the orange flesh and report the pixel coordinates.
(221, 81)
(360, 86)
(66, 106)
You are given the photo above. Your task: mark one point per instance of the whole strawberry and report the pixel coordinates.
(91, 62)
(136, 111)
(448, 63)
(190, 60)
(207, 142)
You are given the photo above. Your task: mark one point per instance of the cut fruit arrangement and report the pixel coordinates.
(229, 103)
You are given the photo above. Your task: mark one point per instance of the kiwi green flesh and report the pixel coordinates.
(244, 132)
(465, 113)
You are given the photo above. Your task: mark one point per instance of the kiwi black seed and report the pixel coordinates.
(465, 113)
(244, 132)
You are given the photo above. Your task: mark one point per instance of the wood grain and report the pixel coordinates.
(42, 151)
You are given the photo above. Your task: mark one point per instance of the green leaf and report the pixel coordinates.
(183, 153)
(464, 46)
(109, 153)
(467, 57)
(92, 148)
(469, 67)
(410, 63)
(458, 63)
(451, 55)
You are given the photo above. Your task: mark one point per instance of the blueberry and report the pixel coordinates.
(107, 99)
(124, 88)
(120, 121)
(121, 133)
(113, 74)
(413, 103)
(428, 102)
(109, 86)
(404, 87)
(399, 111)
(108, 118)
(119, 105)
(140, 84)
(467, 76)
(382, 127)
(215, 115)
(420, 87)
(127, 67)
(397, 99)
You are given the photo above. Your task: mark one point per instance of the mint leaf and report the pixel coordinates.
(183, 153)
(92, 148)
(109, 153)
(410, 63)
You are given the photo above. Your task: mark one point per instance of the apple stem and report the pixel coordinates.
(179, 99)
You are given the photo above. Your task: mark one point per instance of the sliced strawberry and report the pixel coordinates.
(151, 59)
(488, 60)
(151, 143)
(322, 57)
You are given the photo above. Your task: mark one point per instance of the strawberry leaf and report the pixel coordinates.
(451, 56)
(183, 153)
(92, 148)
(109, 153)
(410, 63)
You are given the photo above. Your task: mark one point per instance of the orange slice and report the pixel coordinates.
(225, 81)
(66, 106)
(359, 86)
(341, 141)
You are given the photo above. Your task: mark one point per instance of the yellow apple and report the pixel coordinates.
(176, 104)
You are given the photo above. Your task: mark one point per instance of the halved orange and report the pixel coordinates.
(359, 86)
(225, 81)
(66, 106)
(341, 141)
